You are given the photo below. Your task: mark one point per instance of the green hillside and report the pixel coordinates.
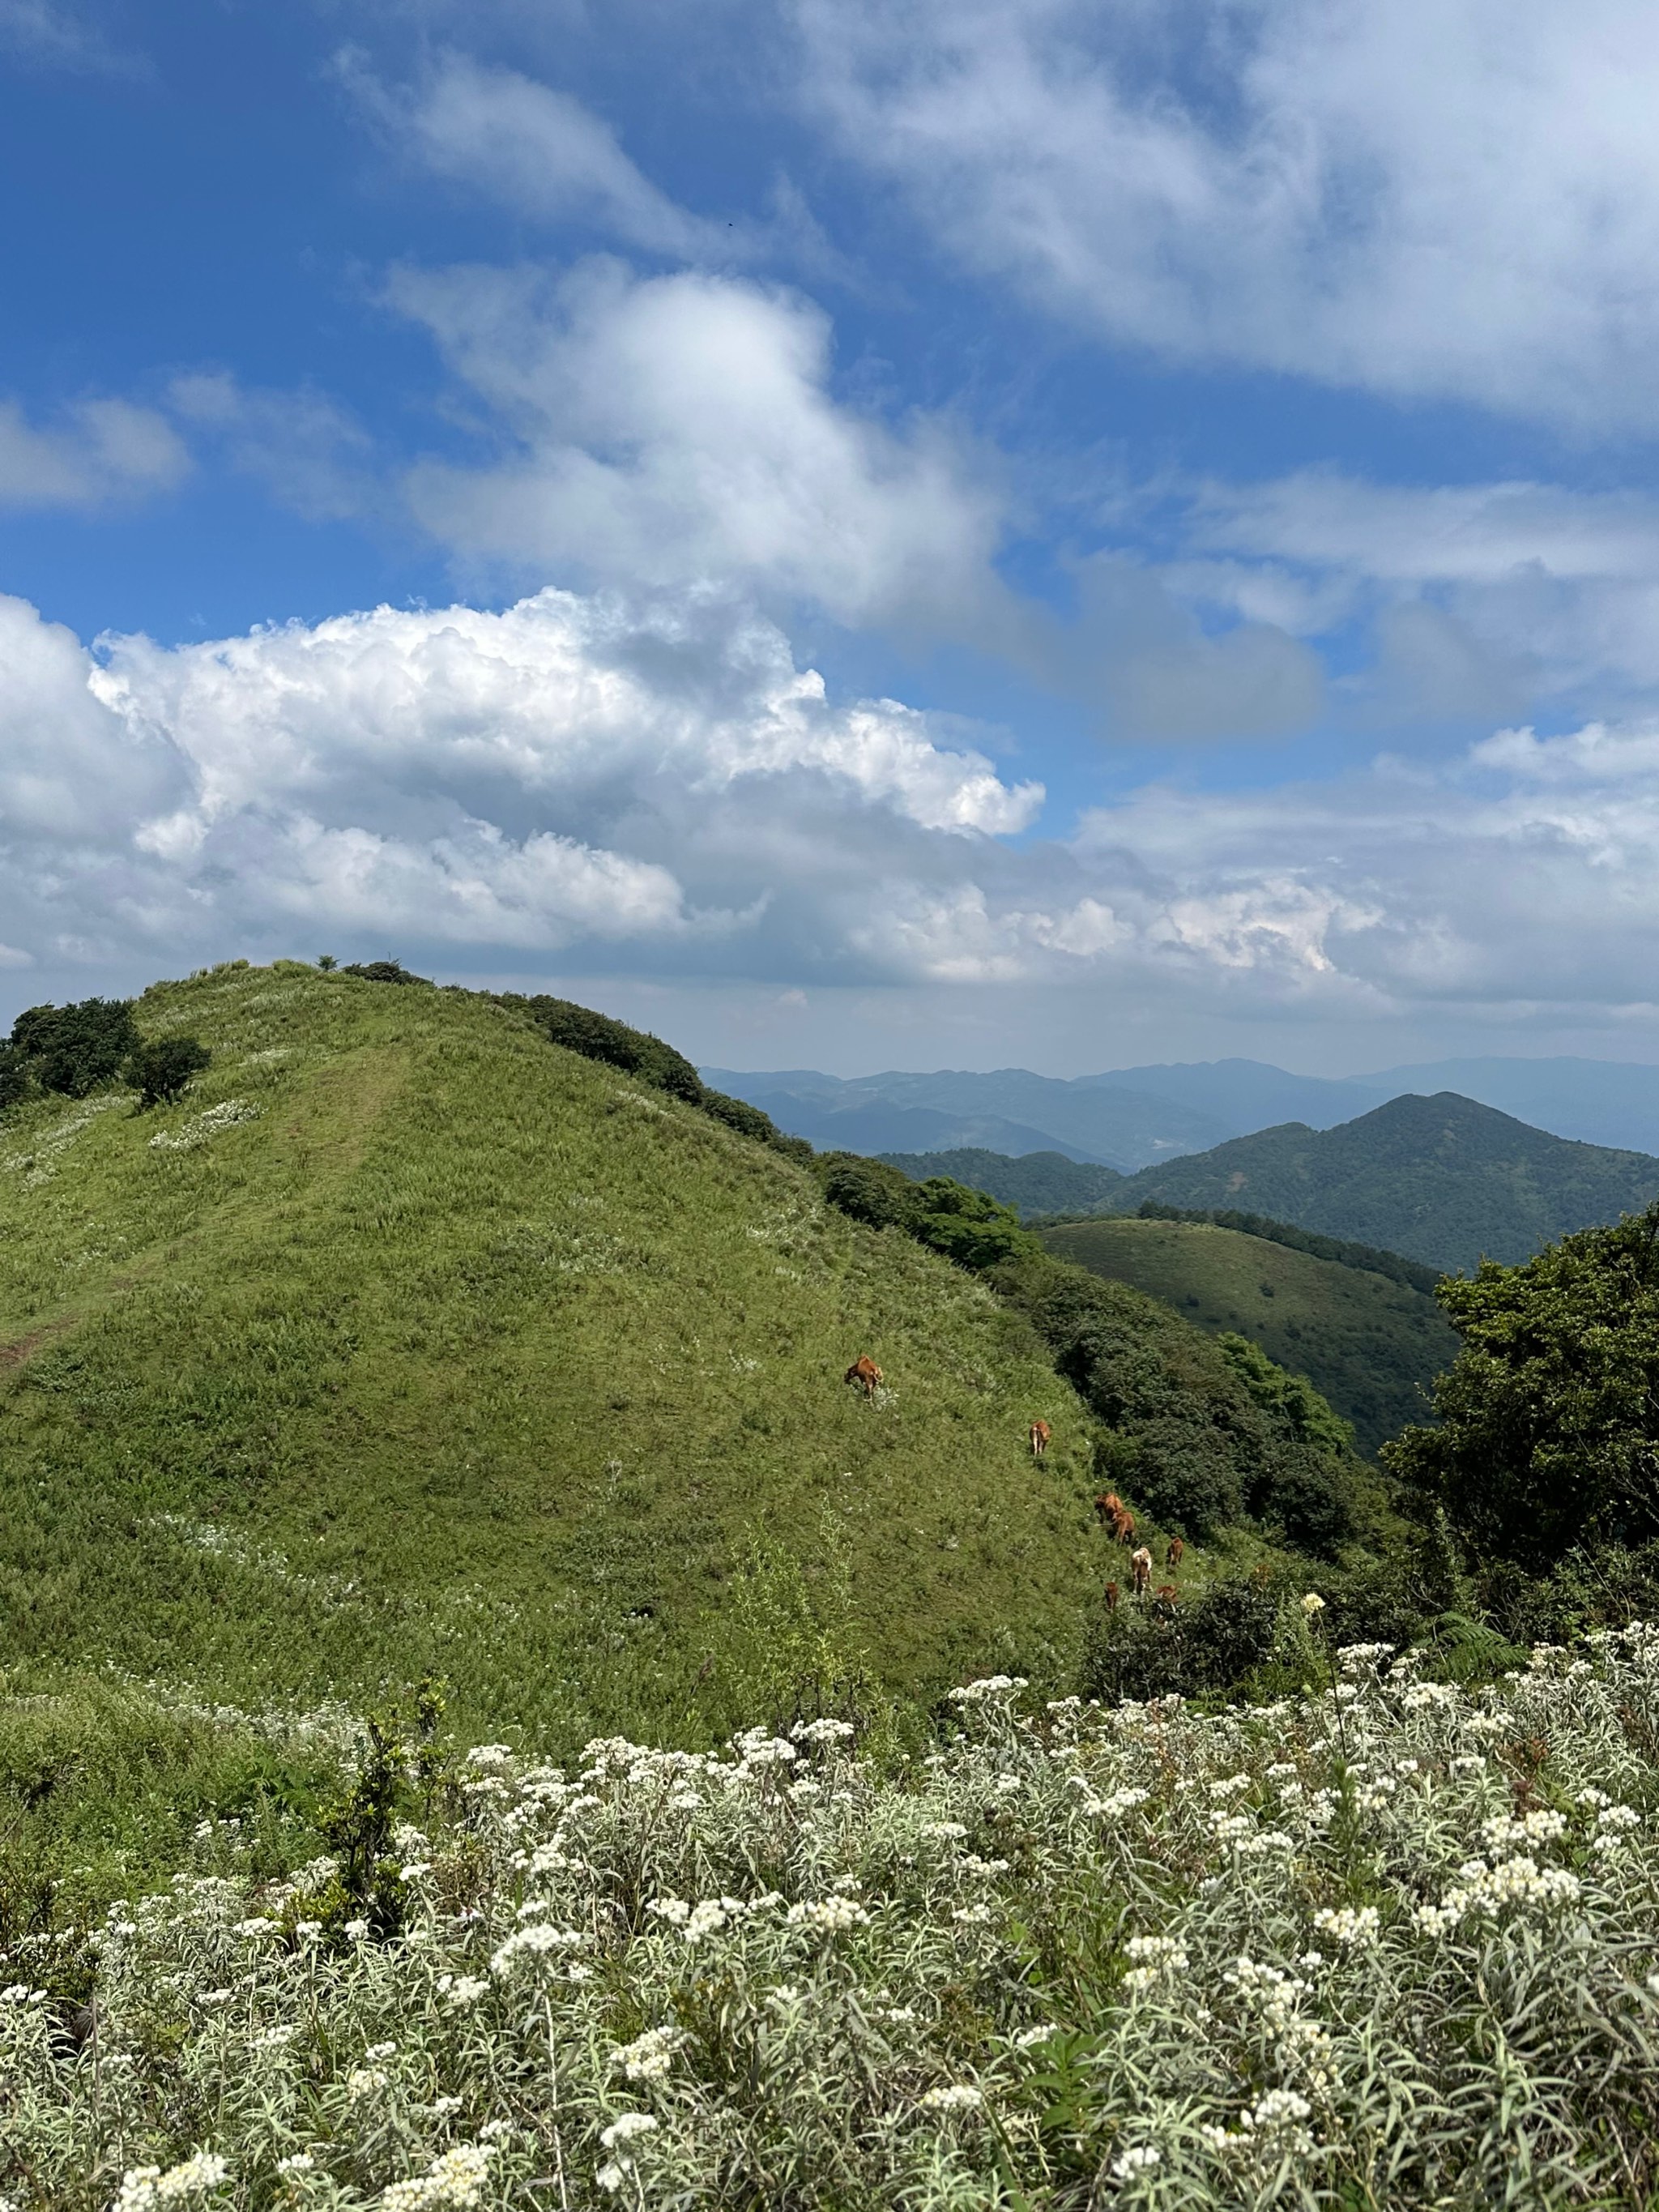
(1369, 1345)
(407, 1340)
(1035, 1182)
(1439, 1179)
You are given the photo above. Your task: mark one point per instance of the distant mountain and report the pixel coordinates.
(874, 1126)
(1370, 1344)
(1600, 1102)
(1244, 1095)
(1041, 1182)
(1123, 1128)
(1442, 1179)
(1133, 1117)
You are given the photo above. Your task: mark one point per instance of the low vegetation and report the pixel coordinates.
(1032, 1183)
(1369, 1343)
(1378, 1943)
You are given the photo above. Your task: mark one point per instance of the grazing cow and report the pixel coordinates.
(1040, 1433)
(1174, 1552)
(1166, 1594)
(865, 1372)
(1110, 1508)
(1112, 1595)
(1141, 1566)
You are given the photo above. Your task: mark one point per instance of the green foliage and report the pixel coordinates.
(327, 961)
(1442, 1180)
(1195, 1441)
(1369, 1345)
(422, 1346)
(871, 1191)
(968, 1226)
(1548, 1432)
(379, 971)
(160, 1072)
(74, 1049)
(1371, 1259)
(17, 1081)
(397, 1771)
(1033, 1183)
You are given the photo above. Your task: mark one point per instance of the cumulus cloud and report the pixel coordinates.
(570, 772)
(537, 150)
(1437, 198)
(99, 451)
(666, 431)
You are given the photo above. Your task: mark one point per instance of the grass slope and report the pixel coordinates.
(408, 1341)
(1368, 1344)
(1036, 1183)
(1440, 1179)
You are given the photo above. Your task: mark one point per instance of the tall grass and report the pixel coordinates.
(407, 1341)
(1393, 1946)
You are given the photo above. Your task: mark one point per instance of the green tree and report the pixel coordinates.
(161, 1071)
(968, 1226)
(74, 1048)
(1548, 1430)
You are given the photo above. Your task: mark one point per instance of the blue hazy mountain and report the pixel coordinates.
(896, 1112)
(1130, 1118)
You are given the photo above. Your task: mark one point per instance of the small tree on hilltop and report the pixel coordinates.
(160, 1072)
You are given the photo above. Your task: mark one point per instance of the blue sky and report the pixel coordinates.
(856, 534)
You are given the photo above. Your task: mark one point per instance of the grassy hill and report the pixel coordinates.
(1036, 1183)
(1368, 1344)
(407, 1340)
(1440, 1179)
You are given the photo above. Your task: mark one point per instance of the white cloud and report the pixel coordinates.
(536, 149)
(1440, 198)
(99, 451)
(311, 455)
(670, 430)
(568, 772)
(57, 38)
(659, 789)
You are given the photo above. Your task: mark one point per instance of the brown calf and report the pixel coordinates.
(1112, 1597)
(1040, 1433)
(1174, 1552)
(865, 1372)
(1166, 1594)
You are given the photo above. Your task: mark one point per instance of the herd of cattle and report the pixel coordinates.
(1109, 1509)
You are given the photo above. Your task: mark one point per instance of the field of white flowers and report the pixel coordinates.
(1393, 1946)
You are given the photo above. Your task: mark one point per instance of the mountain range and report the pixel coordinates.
(1135, 1117)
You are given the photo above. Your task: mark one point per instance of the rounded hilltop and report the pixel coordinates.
(404, 1339)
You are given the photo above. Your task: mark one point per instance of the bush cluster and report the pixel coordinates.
(76, 1050)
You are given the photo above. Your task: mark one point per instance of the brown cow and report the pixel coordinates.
(1040, 1433)
(1112, 1597)
(1111, 1508)
(1174, 1552)
(1141, 1566)
(1166, 1594)
(865, 1372)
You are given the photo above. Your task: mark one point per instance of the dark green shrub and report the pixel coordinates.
(968, 1226)
(161, 1071)
(72, 1049)
(16, 1080)
(749, 1122)
(1208, 1647)
(381, 971)
(870, 1191)
(598, 1037)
